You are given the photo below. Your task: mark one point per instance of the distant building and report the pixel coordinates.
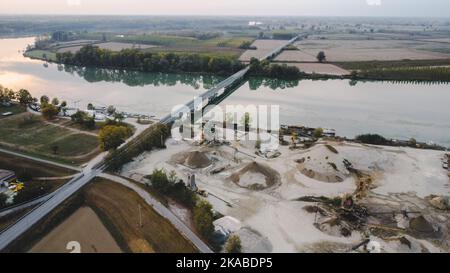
(329, 132)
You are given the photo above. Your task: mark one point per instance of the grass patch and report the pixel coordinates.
(26, 167)
(41, 55)
(30, 134)
(72, 145)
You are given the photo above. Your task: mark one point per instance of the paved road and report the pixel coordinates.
(163, 211)
(41, 160)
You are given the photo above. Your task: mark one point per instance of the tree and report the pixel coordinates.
(413, 142)
(49, 111)
(63, 104)
(111, 110)
(44, 99)
(6, 95)
(246, 120)
(111, 136)
(318, 132)
(118, 117)
(55, 101)
(203, 219)
(83, 119)
(90, 106)
(233, 244)
(55, 149)
(160, 180)
(321, 57)
(24, 97)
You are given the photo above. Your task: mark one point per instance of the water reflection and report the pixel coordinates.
(136, 78)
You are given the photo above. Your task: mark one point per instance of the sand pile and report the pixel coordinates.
(322, 164)
(256, 176)
(193, 160)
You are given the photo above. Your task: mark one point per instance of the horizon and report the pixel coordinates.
(253, 8)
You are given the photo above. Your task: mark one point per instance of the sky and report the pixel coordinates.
(402, 8)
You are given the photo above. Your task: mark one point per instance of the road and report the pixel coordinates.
(163, 211)
(96, 166)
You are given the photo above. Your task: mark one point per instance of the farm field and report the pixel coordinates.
(320, 68)
(368, 50)
(84, 227)
(296, 56)
(112, 211)
(120, 206)
(264, 47)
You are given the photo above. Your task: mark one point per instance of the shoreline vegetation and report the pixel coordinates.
(414, 71)
(150, 61)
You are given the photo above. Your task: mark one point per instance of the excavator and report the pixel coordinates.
(16, 186)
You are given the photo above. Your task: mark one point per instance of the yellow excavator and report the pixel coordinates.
(16, 186)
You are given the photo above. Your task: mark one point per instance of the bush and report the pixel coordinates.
(203, 219)
(318, 132)
(84, 120)
(233, 244)
(152, 138)
(49, 111)
(169, 185)
(374, 139)
(111, 137)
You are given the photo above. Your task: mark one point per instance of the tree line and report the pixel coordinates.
(266, 69)
(135, 59)
(406, 73)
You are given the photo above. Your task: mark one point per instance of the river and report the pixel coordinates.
(395, 110)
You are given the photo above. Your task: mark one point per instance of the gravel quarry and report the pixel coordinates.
(292, 203)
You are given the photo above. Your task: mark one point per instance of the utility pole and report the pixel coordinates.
(140, 216)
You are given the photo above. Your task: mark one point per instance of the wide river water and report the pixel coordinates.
(394, 110)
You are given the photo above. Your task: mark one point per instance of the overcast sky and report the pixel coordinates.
(426, 8)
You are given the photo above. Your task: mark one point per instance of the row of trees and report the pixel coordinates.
(406, 73)
(22, 96)
(50, 109)
(266, 69)
(149, 61)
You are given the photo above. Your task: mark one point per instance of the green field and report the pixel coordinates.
(28, 133)
(41, 54)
